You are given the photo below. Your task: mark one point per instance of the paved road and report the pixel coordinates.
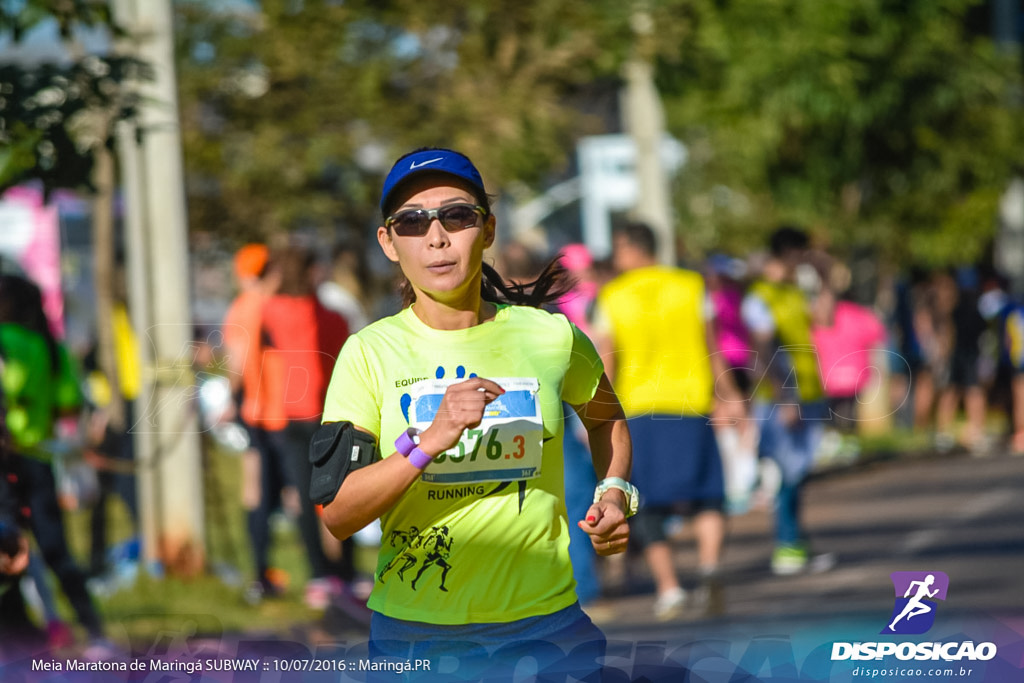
(960, 515)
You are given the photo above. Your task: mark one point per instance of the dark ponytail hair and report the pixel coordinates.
(553, 283)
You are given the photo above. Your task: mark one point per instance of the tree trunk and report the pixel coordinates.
(103, 277)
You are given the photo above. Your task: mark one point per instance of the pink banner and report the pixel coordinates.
(30, 235)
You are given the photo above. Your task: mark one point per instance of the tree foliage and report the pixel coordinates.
(873, 121)
(292, 114)
(884, 122)
(54, 114)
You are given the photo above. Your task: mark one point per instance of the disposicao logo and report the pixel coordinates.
(914, 613)
(916, 592)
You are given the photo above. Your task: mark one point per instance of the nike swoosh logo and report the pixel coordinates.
(414, 165)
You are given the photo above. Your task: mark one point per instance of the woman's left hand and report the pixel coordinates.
(607, 527)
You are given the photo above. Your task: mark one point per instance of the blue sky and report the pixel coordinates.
(42, 44)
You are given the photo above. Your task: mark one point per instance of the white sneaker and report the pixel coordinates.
(821, 563)
(669, 604)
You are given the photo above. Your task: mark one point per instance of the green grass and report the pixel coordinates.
(896, 441)
(210, 603)
(153, 606)
(903, 441)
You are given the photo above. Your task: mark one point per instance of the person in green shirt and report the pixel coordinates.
(467, 382)
(40, 384)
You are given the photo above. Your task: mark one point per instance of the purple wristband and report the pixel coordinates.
(420, 458)
(405, 445)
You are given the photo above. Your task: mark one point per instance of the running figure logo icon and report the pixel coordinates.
(914, 611)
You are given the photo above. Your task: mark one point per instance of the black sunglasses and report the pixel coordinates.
(416, 222)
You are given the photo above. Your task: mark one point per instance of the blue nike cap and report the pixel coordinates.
(430, 161)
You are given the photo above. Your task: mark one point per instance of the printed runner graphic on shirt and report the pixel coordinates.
(506, 446)
(431, 548)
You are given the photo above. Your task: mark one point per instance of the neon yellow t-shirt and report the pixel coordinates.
(656, 317)
(482, 551)
(788, 307)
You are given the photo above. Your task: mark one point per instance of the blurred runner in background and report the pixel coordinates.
(346, 290)
(656, 342)
(110, 447)
(737, 438)
(301, 339)
(934, 301)
(789, 399)
(18, 634)
(965, 369)
(580, 479)
(260, 412)
(41, 384)
(845, 336)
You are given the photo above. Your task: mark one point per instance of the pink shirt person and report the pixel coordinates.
(730, 332)
(576, 304)
(844, 348)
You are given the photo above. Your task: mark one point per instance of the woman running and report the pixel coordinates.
(462, 391)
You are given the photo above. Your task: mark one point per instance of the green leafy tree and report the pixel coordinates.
(872, 121)
(878, 122)
(55, 115)
(292, 113)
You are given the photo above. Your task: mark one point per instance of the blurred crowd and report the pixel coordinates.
(768, 366)
(806, 368)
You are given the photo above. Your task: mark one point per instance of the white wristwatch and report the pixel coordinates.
(632, 495)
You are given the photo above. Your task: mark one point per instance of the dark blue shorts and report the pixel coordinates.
(554, 646)
(675, 460)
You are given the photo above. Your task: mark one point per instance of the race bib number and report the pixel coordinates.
(507, 445)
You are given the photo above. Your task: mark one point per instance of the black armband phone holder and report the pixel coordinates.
(337, 448)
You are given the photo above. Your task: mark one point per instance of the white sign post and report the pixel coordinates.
(608, 182)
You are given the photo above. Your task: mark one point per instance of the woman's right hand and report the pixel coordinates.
(461, 408)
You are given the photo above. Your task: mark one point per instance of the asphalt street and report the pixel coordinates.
(956, 514)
